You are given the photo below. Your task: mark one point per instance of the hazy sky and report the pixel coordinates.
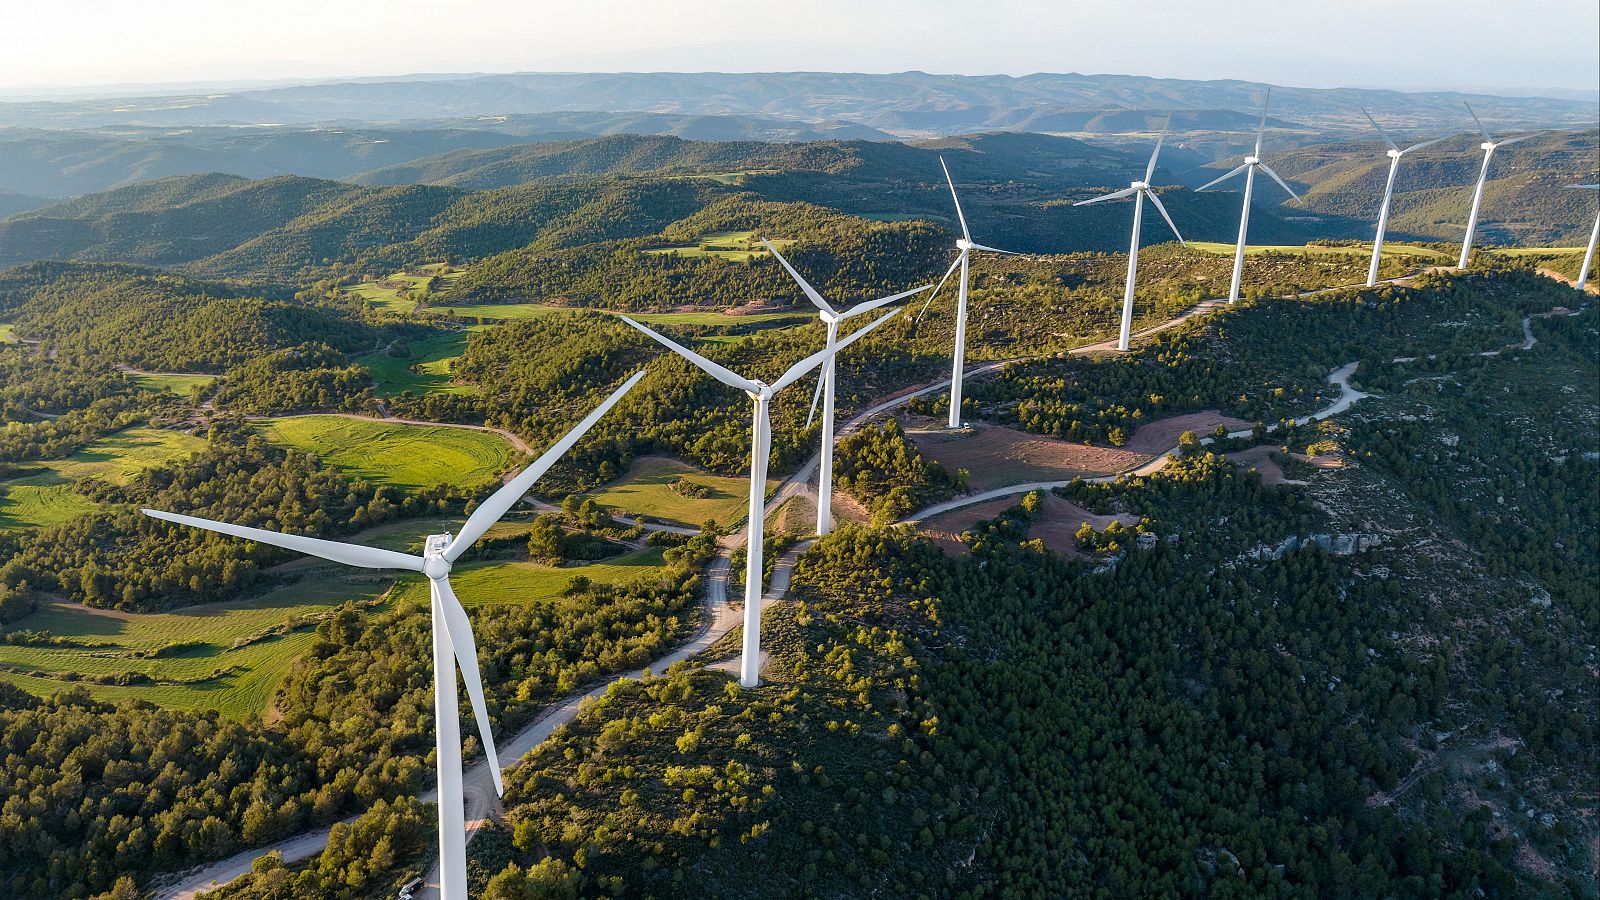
(1403, 43)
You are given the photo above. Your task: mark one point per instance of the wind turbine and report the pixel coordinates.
(452, 631)
(760, 447)
(825, 383)
(1594, 236)
(1138, 190)
(965, 245)
(1388, 191)
(1251, 164)
(1489, 146)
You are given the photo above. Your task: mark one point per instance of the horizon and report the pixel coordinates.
(1435, 45)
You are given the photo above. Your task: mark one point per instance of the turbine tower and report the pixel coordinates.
(1138, 190)
(760, 447)
(1489, 146)
(1594, 236)
(1251, 164)
(452, 631)
(1388, 191)
(825, 382)
(965, 245)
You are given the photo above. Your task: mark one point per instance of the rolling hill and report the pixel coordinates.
(906, 103)
(1525, 201)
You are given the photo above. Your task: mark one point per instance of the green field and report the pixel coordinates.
(399, 291)
(8, 333)
(477, 584)
(243, 693)
(1539, 251)
(733, 246)
(47, 497)
(406, 456)
(1389, 250)
(180, 383)
(706, 317)
(426, 370)
(646, 490)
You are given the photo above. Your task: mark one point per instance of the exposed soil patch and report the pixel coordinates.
(995, 456)
(945, 530)
(1260, 459)
(848, 509)
(1059, 519)
(1162, 434)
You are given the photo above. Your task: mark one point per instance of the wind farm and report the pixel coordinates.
(376, 521)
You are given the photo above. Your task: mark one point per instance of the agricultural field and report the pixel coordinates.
(8, 333)
(399, 292)
(729, 246)
(47, 497)
(646, 489)
(426, 370)
(995, 456)
(1389, 250)
(394, 453)
(712, 318)
(110, 642)
(478, 584)
(180, 383)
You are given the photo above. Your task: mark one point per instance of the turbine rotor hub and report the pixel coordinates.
(1394, 154)
(1487, 145)
(1252, 160)
(963, 244)
(437, 568)
(1140, 185)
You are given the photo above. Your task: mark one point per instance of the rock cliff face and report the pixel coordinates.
(1341, 544)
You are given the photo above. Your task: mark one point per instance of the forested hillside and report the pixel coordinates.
(1526, 201)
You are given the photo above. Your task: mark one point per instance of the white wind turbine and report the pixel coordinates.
(965, 245)
(1388, 191)
(1251, 164)
(452, 631)
(1138, 190)
(1489, 146)
(825, 382)
(760, 447)
(1594, 236)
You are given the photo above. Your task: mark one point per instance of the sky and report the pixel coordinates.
(1479, 44)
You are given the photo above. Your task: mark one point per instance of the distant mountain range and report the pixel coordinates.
(906, 103)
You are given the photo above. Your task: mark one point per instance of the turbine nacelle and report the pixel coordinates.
(1487, 145)
(1392, 154)
(964, 244)
(1252, 160)
(1140, 185)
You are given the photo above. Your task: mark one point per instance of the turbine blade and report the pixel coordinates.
(959, 214)
(1585, 187)
(947, 273)
(1481, 130)
(1385, 134)
(988, 249)
(816, 398)
(1281, 183)
(705, 365)
(1421, 145)
(799, 369)
(1520, 137)
(459, 630)
(1262, 129)
(871, 305)
(1150, 170)
(490, 511)
(1216, 181)
(349, 554)
(1163, 210)
(1114, 195)
(805, 286)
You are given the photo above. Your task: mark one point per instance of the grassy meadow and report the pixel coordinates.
(46, 497)
(180, 383)
(406, 456)
(478, 584)
(646, 490)
(251, 672)
(426, 370)
(730, 246)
